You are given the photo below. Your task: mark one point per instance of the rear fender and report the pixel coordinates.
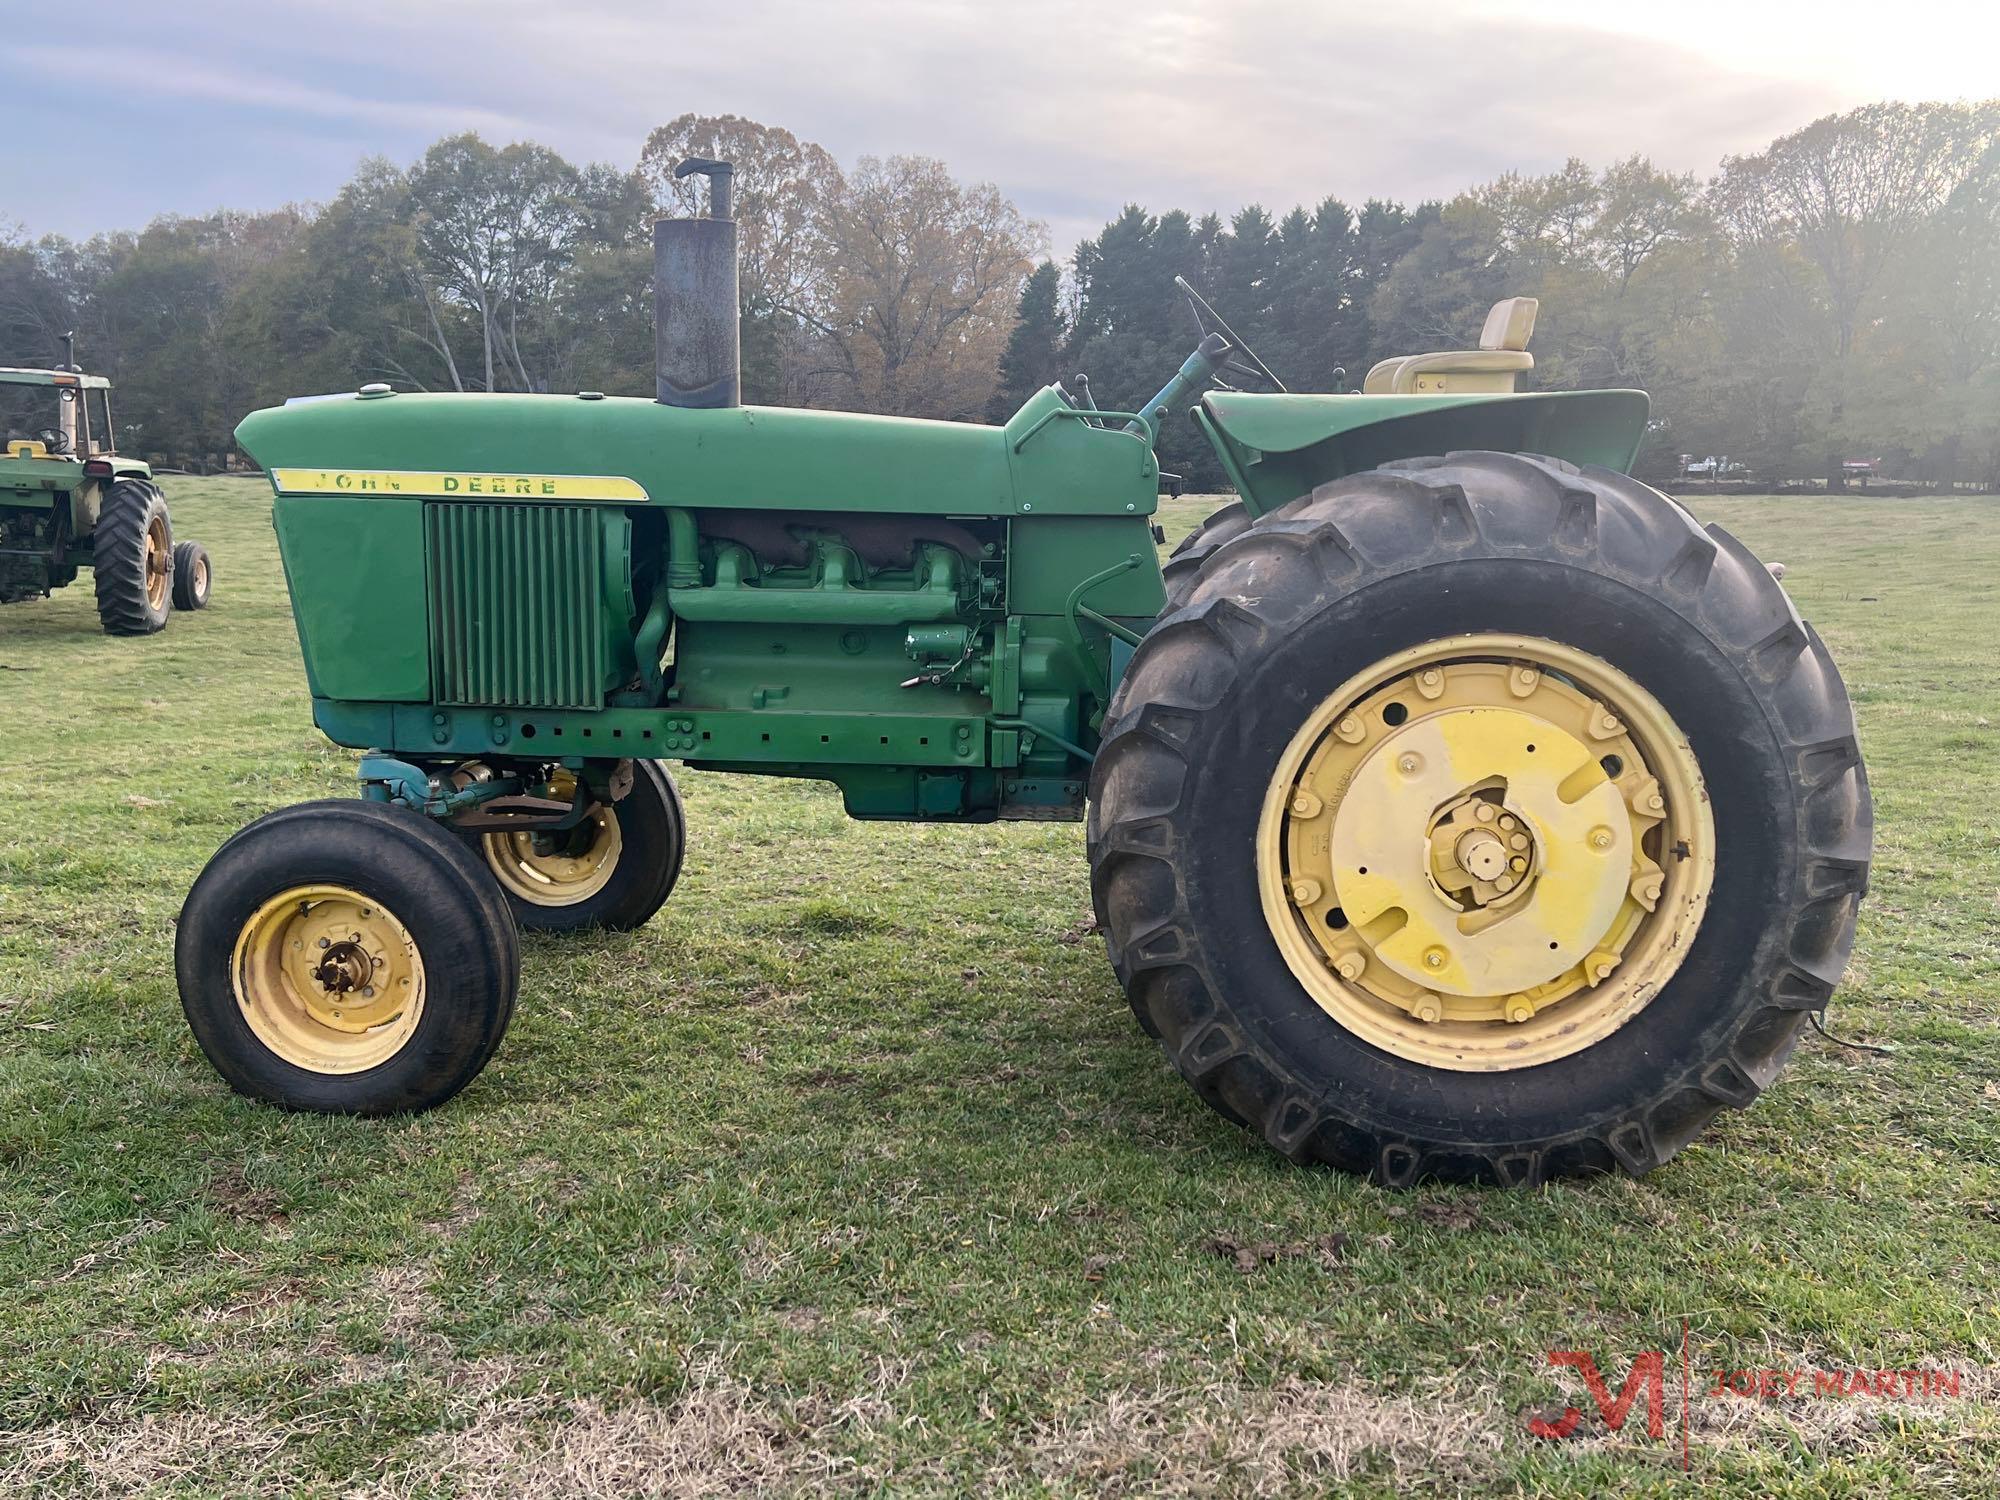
(1275, 448)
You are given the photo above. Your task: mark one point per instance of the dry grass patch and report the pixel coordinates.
(1298, 1437)
(131, 1453)
(721, 1438)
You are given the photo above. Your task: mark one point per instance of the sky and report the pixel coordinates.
(137, 108)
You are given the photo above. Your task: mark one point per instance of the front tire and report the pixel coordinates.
(193, 575)
(614, 871)
(346, 957)
(132, 559)
(1389, 634)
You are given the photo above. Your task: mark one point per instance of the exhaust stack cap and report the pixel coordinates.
(721, 176)
(697, 346)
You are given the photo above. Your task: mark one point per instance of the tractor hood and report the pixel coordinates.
(761, 457)
(1277, 447)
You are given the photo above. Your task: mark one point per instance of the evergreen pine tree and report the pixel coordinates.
(1034, 350)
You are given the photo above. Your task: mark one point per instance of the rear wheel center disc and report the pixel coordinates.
(1552, 835)
(1487, 852)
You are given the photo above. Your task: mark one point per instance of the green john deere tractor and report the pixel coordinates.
(1456, 806)
(68, 501)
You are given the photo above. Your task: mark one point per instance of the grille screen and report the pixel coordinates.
(514, 605)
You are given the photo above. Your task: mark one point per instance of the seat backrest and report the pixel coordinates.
(1510, 324)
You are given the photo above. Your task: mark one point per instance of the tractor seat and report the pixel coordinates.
(1492, 367)
(26, 448)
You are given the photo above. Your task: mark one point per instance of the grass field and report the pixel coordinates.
(852, 1171)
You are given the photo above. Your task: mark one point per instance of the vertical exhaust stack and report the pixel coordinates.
(697, 348)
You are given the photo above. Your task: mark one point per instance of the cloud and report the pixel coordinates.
(146, 75)
(1072, 110)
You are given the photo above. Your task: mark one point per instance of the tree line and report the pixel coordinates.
(1834, 296)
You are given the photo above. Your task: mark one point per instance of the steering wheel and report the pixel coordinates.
(53, 439)
(1242, 359)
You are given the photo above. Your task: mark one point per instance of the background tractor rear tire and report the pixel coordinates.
(613, 873)
(257, 920)
(133, 559)
(194, 576)
(1278, 617)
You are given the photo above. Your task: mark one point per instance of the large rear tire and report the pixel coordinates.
(1644, 758)
(132, 559)
(347, 957)
(1184, 563)
(613, 871)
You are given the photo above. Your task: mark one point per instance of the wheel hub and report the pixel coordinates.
(1469, 859)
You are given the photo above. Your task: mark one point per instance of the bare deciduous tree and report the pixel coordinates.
(922, 286)
(496, 228)
(784, 188)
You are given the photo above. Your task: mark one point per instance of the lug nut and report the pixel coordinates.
(1434, 958)
(1349, 966)
(1520, 1009)
(1305, 805)
(1517, 841)
(1601, 839)
(1350, 729)
(1305, 892)
(1427, 1010)
(1484, 812)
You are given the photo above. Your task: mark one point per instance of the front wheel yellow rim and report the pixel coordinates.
(328, 978)
(559, 869)
(1486, 852)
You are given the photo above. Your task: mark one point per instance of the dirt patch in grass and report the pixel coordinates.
(232, 1194)
(1254, 1255)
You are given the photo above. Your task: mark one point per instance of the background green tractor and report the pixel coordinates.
(68, 501)
(1457, 806)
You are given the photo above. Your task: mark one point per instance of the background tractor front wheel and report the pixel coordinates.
(132, 559)
(614, 870)
(193, 575)
(1479, 819)
(346, 957)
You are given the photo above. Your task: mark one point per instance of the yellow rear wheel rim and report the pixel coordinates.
(328, 978)
(564, 870)
(1486, 852)
(159, 562)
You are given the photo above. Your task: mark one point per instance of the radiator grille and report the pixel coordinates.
(514, 605)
